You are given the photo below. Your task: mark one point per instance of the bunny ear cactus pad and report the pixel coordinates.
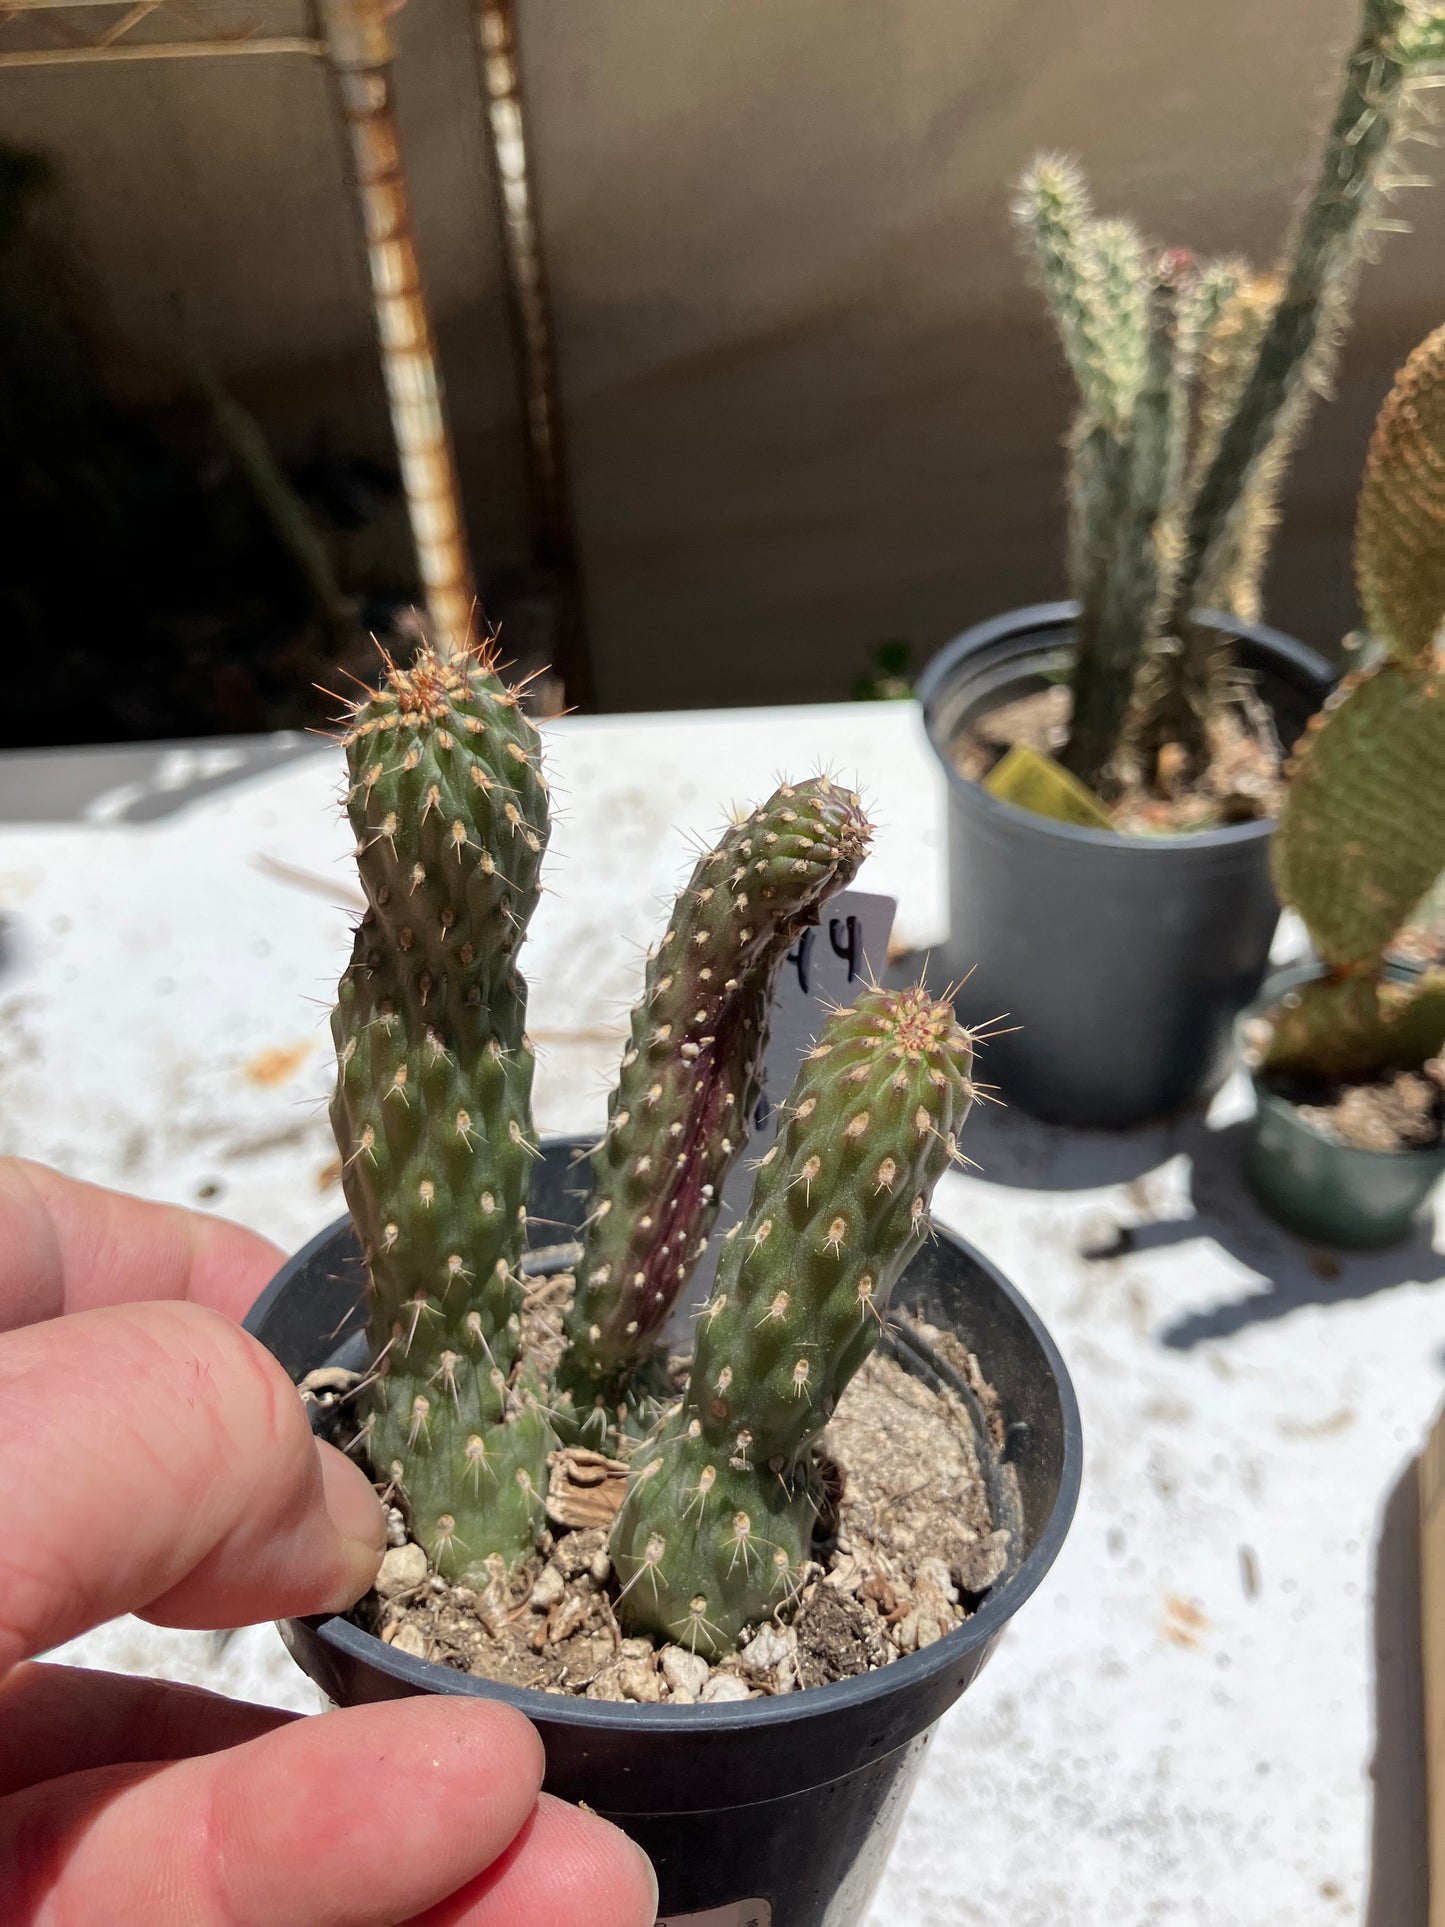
(1400, 524)
(432, 1110)
(681, 1112)
(719, 1515)
(1362, 835)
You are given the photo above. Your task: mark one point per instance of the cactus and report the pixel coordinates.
(1154, 533)
(1362, 836)
(1400, 524)
(719, 1514)
(431, 1113)
(432, 1106)
(682, 1108)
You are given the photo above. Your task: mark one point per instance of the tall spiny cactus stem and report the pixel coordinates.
(719, 1515)
(1132, 587)
(682, 1109)
(1231, 580)
(432, 1111)
(1400, 523)
(1053, 215)
(1294, 354)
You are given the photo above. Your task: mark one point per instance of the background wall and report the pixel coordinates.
(811, 399)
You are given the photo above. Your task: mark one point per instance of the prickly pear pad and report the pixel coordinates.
(1362, 837)
(680, 1114)
(718, 1520)
(432, 1110)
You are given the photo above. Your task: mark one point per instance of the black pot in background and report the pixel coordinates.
(1332, 1194)
(1123, 959)
(792, 1801)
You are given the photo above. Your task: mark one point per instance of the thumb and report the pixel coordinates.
(160, 1461)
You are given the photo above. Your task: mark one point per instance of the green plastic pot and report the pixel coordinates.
(1329, 1193)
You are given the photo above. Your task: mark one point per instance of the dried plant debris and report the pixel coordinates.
(910, 1554)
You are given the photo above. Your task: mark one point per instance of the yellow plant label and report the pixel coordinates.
(1032, 781)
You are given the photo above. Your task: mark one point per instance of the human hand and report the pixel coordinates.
(157, 1460)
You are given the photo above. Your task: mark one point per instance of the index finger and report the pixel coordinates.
(67, 1246)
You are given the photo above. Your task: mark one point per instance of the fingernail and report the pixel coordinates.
(356, 1513)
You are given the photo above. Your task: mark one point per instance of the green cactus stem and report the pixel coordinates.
(432, 1109)
(1362, 836)
(718, 1519)
(1121, 610)
(682, 1108)
(1250, 354)
(1392, 54)
(1345, 1027)
(1089, 300)
(1400, 524)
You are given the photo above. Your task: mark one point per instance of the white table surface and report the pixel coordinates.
(1181, 1726)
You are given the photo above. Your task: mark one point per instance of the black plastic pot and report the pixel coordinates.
(790, 1803)
(1123, 959)
(1332, 1194)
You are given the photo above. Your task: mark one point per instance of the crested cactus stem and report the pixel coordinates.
(681, 1112)
(432, 1109)
(717, 1524)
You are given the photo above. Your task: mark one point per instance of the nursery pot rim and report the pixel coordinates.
(1040, 617)
(982, 1627)
(1276, 984)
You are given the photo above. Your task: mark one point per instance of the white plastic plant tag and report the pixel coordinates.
(828, 966)
(742, 1913)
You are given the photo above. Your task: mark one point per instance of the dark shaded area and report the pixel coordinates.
(144, 593)
(1399, 1832)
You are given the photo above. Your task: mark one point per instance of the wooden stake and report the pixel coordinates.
(359, 50)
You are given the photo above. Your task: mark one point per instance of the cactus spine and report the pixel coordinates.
(1362, 836)
(718, 1518)
(432, 1109)
(682, 1108)
(1146, 675)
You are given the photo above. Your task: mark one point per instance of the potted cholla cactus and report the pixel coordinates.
(1346, 1053)
(677, 1557)
(1113, 761)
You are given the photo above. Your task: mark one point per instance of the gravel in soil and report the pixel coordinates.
(913, 1546)
(1395, 1111)
(1244, 779)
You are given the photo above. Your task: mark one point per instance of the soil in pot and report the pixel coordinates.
(1243, 782)
(1394, 1110)
(906, 1548)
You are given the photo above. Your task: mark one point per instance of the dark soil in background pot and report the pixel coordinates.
(907, 1547)
(1243, 783)
(1395, 1110)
